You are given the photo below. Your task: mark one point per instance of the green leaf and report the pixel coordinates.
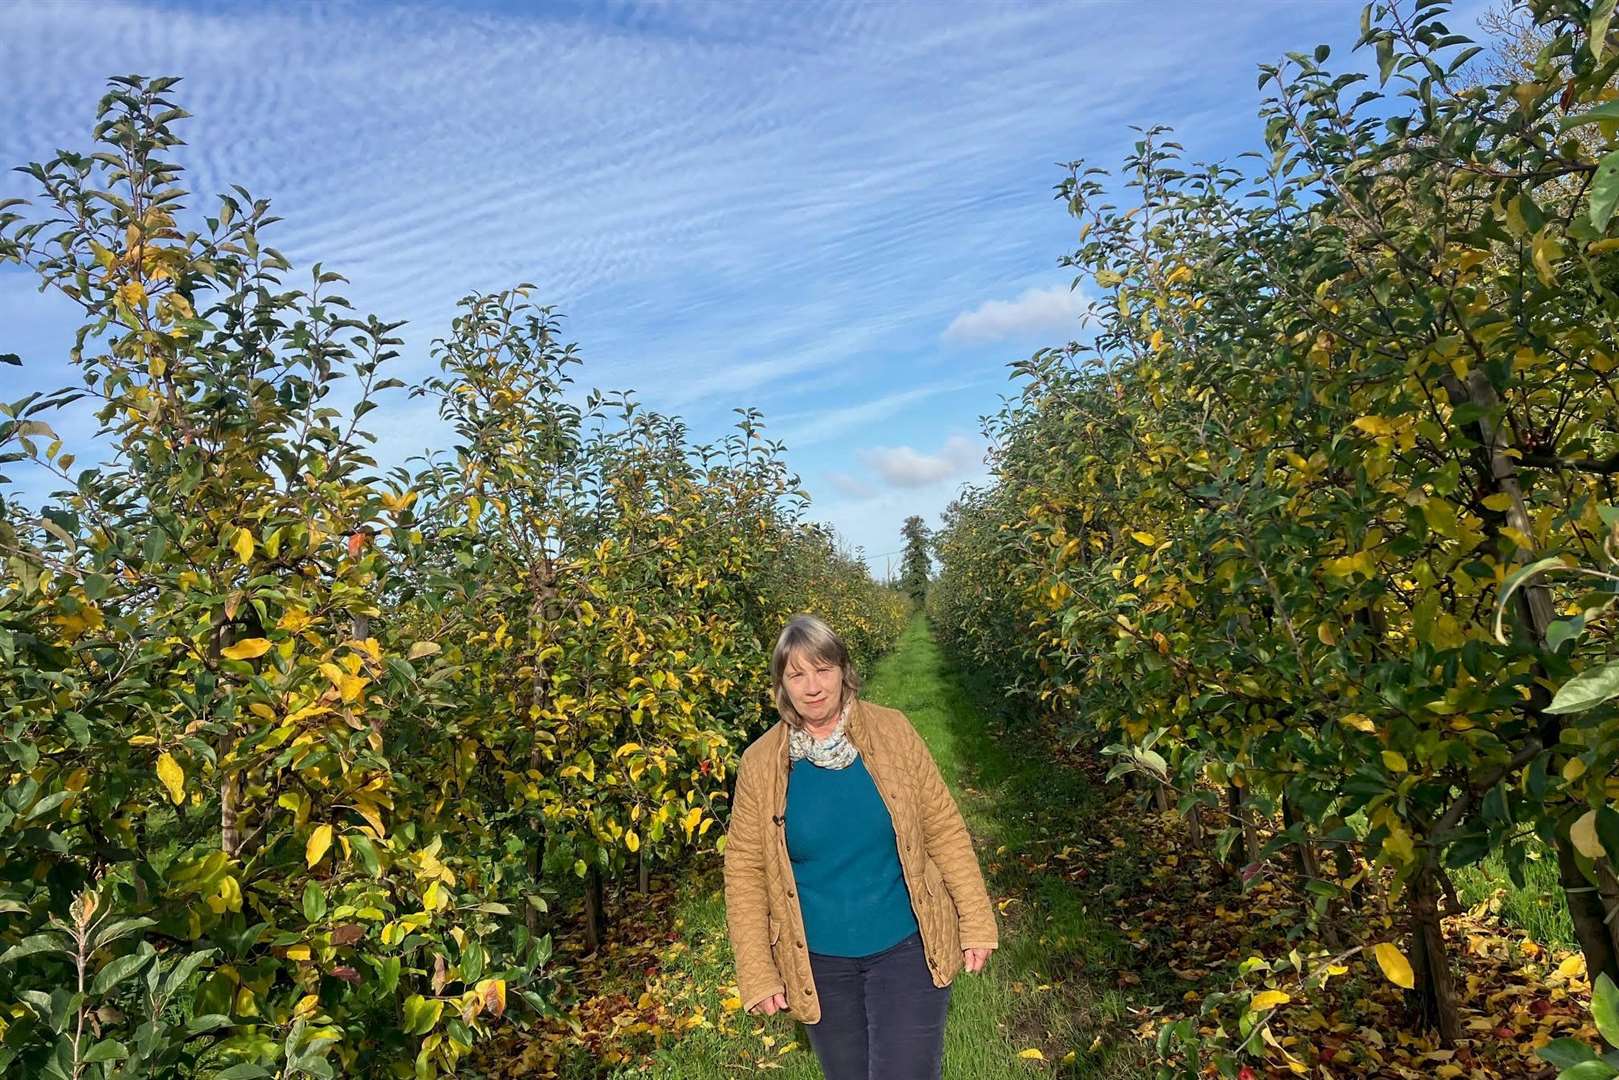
(197, 1025)
(121, 929)
(1517, 578)
(314, 902)
(183, 970)
(1605, 191)
(106, 1050)
(368, 853)
(1601, 16)
(421, 1014)
(1586, 690)
(1565, 1053)
(1605, 1008)
(388, 974)
(1608, 110)
(118, 970)
(49, 941)
(1589, 1070)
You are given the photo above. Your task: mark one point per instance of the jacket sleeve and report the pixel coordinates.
(746, 902)
(952, 849)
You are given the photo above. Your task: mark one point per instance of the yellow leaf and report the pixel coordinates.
(1499, 502)
(297, 952)
(632, 841)
(1145, 539)
(1544, 249)
(731, 1004)
(1396, 968)
(173, 777)
(423, 648)
(1326, 634)
(1571, 968)
(132, 293)
(1574, 769)
(1269, 1000)
(319, 841)
(1031, 1054)
(1399, 842)
(1394, 761)
(247, 649)
(1583, 834)
(1360, 722)
(1376, 426)
(244, 545)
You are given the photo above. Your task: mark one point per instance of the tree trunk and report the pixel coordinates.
(1242, 804)
(538, 698)
(230, 832)
(595, 918)
(1434, 997)
(1160, 797)
(1344, 860)
(1240, 853)
(1304, 856)
(643, 872)
(1588, 908)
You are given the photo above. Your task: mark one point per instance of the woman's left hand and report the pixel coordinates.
(975, 959)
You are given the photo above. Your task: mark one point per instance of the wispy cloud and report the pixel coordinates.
(812, 427)
(772, 205)
(1036, 311)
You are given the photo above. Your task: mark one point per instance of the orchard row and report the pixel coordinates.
(299, 752)
(1316, 526)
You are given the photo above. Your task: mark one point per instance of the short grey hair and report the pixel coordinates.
(811, 637)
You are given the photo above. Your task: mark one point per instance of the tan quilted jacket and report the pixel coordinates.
(936, 854)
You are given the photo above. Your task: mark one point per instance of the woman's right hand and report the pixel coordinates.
(771, 1005)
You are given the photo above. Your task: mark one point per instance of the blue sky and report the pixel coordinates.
(840, 213)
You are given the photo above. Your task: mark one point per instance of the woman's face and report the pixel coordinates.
(815, 688)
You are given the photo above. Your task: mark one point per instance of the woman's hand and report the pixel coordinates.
(975, 959)
(771, 1005)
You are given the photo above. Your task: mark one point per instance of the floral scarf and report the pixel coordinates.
(833, 752)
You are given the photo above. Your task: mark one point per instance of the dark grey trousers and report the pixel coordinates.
(881, 1016)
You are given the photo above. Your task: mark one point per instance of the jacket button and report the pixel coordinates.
(789, 894)
(800, 944)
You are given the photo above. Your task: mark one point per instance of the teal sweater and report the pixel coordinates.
(845, 859)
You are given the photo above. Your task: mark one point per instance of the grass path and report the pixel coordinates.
(1050, 987)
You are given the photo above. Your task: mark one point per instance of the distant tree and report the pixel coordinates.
(914, 570)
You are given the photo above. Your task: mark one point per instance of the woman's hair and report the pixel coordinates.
(811, 638)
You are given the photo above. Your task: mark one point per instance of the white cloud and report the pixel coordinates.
(907, 467)
(1037, 310)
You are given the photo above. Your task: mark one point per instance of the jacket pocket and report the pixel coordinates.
(932, 877)
(772, 927)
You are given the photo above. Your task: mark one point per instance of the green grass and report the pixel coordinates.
(1048, 939)
(1538, 908)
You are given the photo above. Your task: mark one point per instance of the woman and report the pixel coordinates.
(852, 892)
